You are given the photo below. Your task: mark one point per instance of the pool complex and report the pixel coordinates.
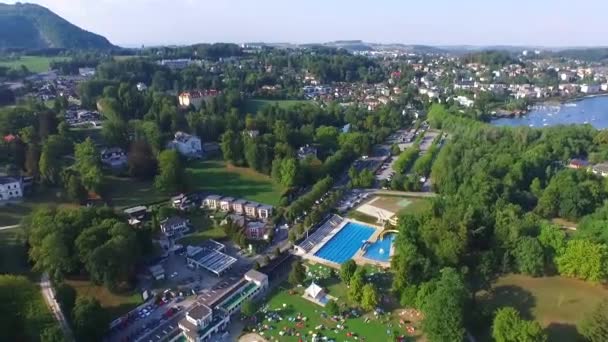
(342, 246)
(381, 249)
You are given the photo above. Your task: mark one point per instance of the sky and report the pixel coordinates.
(549, 23)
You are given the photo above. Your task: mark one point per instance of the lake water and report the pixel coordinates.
(591, 110)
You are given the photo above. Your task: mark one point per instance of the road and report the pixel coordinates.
(49, 298)
(9, 227)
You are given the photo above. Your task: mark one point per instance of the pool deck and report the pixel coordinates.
(358, 257)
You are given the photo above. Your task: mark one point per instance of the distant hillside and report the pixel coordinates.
(29, 26)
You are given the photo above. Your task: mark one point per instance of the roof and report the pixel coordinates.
(213, 197)
(252, 204)
(199, 311)
(602, 167)
(134, 210)
(8, 180)
(313, 290)
(227, 199)
(156, 269)
(240, 201)
(256, 276)
(173, 221)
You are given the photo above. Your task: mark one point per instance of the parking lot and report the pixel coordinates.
(156, 321)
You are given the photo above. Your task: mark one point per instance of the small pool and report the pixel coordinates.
(342, 246)
(381, 249)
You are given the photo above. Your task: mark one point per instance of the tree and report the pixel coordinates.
(529, 256)
(141, 160)
(232, 147)
(369, 299)
(347, 270)
(444, 309)
(75, 191)
(509, 327)
(171, 171)
(333, 308)
(248, 309)
(356, 285)
(52, 334)
(66, 297)
(88, 165)
(89, 319)
(50, 159)
(115, 133)
(584, 259)
(297, 273)
(594, 326)
(288, 172)
(32, 158)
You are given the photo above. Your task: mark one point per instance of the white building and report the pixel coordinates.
(173, 225)
(10, 189)
(590, 89)
(464, 101)
(196, 98)
(141, 86)
(187, 144)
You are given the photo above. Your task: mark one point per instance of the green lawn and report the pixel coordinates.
(254, 105)
(376, 329)
(13, 213)
(416, 205)
(126, 192)
(34, 64)
(359, 216)
(204, 229)
(216, 177)
(557, 303)
(115, 304)
(13, 256)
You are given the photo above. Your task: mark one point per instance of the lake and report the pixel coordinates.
(591, 110)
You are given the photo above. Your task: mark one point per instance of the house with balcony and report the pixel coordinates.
(251, 209)
(208, 319)
(11, 188)
(238, 206)
(186, 144)
(226, 204)
(173, 226)
(212, 202)
(264, 211)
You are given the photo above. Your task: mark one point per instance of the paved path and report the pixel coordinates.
(403, 193)
(9, 227)
(252, 338)
(49, 298)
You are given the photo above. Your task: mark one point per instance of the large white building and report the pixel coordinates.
(196, 97)
(10, 189)
(187, 144)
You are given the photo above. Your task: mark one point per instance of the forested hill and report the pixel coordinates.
(29, 26)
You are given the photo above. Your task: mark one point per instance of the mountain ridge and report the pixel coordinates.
(31, 26)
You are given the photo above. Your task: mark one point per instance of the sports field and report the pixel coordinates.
(557, 303)
(254, 105)
(217, 177)
(391, 205)
(34, 64)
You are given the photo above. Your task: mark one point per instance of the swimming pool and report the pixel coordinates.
(381, 249)
(342, 246)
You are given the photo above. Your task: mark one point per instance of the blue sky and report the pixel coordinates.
(432, 22)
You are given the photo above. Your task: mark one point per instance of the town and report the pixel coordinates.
(341, 191)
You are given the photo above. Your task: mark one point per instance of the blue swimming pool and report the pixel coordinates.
(342, 246)
(381, 249)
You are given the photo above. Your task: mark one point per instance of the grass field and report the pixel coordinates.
(115, 304)
(557, 303)
(254, 105)
(34, 64)
(126, 192)
(287, 302)
(13, 213)
(204, 230)
(216, 177)
(13, 256)
(390, 205)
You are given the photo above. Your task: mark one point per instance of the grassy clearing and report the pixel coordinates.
(34, 64)
(12, 214)
(126, 192)
(288, 302)
(254, 105)
(204, 229)
(13, 255)
(216, 177)
(359, 216)
(557, 303)
(115, 304)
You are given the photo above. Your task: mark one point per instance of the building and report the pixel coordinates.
(196, 98)
(600, 169)
(86, 72)
(590, 88)
(264, 211)
(176, 63)
(251, 209)
(257, 230)
(187, 144)
(212, 202)
(11, 188)
(226, 204)
(173, 226)
(578, 164)
(464, 101)
(157, 272)
(238, 206)
(307, 151)
(141, 86)
(136, 215)
(210, 317)
(114, 157)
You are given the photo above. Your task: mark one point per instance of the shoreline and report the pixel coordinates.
(555, 101)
